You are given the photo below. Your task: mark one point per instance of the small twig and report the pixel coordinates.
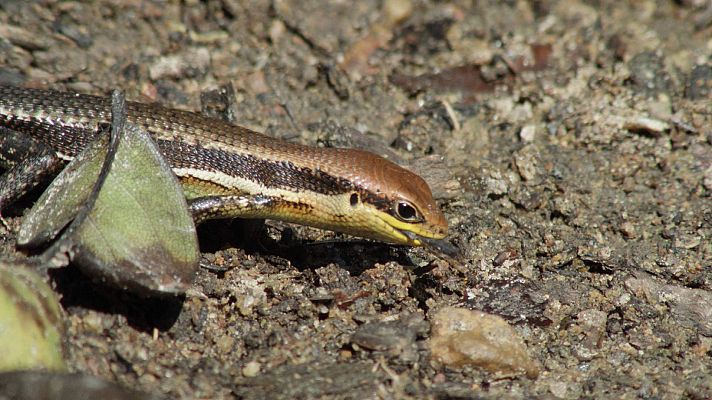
(451, 115)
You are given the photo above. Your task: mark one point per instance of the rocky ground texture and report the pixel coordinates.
(569, 143)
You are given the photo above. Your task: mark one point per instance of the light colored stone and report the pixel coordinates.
(651, 126)
(691, 308)
(528, 133)
(251, 369)
(462, 337)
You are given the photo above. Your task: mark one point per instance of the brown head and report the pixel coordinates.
(393, 203)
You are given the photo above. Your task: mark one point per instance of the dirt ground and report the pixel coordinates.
(569, 144)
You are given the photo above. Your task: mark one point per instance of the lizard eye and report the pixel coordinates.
(406, 212)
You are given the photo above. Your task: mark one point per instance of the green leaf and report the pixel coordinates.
(131, 224)
(30, 321)
(139, 232)
(64, 198)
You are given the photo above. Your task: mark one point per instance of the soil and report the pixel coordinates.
(569, 144)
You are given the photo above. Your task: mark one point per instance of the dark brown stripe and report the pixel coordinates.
(380, 201)
(273, 174)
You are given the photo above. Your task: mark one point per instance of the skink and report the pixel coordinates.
(226, 171)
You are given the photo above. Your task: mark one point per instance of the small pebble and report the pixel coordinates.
(628, 230)
(191, 62)
(645, 125)
(251, 369)
(528, 133)
(225, 343)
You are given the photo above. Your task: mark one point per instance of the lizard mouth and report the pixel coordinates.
(440, 245)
